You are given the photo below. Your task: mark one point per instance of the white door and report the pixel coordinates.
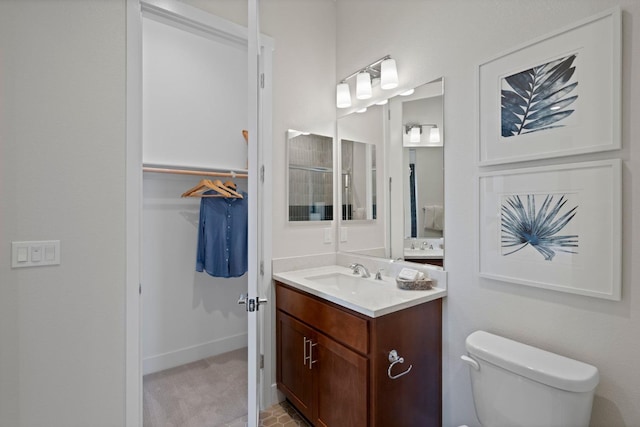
(259, 102)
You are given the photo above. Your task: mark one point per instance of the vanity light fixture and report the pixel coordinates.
(384, 69)
(414, 131)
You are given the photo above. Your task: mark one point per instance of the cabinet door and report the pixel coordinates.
(342, 384)
(294, 376)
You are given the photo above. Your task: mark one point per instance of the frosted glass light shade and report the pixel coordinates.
(434, 135)
(388, 74)
(343, 96)
(363, 86)
(414, 134)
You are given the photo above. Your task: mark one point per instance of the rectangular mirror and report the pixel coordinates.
(359, 135)
(423, 157)
(309, 176)
(358, 184)
(409, 136)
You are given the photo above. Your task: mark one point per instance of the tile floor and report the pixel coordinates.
(279, 415)
(282, 415)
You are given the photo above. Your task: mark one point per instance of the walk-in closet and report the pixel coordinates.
(193, 332)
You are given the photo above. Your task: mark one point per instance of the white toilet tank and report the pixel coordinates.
(516, 385)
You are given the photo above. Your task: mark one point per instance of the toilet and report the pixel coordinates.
(515, 384)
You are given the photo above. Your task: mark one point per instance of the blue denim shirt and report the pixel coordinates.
(222, 236)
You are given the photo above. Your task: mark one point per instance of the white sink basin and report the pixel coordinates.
(350, 283)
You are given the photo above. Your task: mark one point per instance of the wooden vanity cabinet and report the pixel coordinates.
(332, 362)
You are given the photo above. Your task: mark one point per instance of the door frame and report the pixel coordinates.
(190, 16)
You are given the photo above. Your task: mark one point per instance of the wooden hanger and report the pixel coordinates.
(206, 185)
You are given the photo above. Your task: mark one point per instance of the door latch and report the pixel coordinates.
(251, 304)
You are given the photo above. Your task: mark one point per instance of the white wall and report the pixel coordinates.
(62, 166)
(304, 98)
(449, 38)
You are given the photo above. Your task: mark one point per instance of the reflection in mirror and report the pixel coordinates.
(411, 186)
(423, 185)
(358, 180)
(359, 135)
(310, 176)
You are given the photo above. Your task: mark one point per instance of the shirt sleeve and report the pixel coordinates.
(201, 238)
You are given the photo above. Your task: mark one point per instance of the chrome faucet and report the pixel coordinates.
(426, 245)
(359, 268)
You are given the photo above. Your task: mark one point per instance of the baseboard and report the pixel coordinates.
(275, 395)
(191, 354)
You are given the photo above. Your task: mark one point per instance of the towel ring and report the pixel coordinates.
(394, 359)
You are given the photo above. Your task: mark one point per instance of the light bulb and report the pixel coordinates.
(414, 134)
(388, 74)
(434, 134)
(343, 96)
(363, 86)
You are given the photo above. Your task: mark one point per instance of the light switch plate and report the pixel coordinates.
(327, 235)
(35, 253)
(343, 234)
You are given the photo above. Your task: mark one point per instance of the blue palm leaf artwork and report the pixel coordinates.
(523, 225)
(537, 99)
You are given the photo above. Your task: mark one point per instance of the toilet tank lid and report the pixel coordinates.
(533, 363)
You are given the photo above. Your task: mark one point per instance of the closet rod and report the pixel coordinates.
(194, 172)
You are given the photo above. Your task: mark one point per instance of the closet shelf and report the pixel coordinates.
(178, 170)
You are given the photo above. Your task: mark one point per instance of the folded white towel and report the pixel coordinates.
(408, 274)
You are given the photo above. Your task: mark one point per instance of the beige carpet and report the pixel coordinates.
(208, 393)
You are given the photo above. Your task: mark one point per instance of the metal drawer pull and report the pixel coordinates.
(304, 361)
(311, 361)
(393, 359)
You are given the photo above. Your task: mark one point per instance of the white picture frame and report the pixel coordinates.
(581, 111)
(579, 228)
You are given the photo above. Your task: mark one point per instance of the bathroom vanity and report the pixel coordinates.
(358, 352)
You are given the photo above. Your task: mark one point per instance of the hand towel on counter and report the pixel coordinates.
(222, 236)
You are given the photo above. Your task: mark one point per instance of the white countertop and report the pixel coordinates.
(373, 298)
